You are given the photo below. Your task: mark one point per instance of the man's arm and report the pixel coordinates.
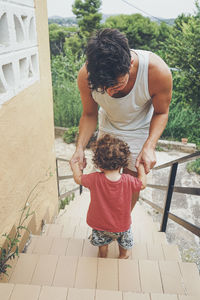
(88, 120)
(160, 88)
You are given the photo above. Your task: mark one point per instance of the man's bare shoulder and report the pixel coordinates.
(83, 77)
(89, 105)
(160, 77)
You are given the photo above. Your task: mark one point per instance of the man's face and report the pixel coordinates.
(121, 84)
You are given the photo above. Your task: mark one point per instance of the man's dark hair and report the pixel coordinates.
(108, 57)
(110, 153)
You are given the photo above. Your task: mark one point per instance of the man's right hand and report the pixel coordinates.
(79, 156)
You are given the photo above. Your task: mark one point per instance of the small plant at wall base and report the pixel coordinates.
(66, 201)
(70, 135)
(11, 250)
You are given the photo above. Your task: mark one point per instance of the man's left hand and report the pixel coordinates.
(147, 157)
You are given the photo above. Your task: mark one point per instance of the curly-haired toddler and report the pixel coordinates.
(109, 212)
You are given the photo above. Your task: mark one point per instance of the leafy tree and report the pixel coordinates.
(182, 51)
(57, 36)
(141, 32)
(75, 44)
(87, 14)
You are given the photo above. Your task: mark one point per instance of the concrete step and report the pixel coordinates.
(139, 276)
(142, 234)
(82, 247)
(34, 292)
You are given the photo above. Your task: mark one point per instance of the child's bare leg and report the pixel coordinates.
(103, 251)
(123, 253)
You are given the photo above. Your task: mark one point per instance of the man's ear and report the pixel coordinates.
(132, 60)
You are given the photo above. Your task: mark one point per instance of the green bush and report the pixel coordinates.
(70, 135)
(183, 122)
(66, 97)
(67, 104)
(194, 166)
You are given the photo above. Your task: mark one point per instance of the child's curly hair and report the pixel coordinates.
(110, 153)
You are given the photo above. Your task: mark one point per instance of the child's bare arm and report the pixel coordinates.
(142, 176)
(77, 173)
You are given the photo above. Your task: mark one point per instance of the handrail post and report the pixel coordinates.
(172, 178)
(80, 189)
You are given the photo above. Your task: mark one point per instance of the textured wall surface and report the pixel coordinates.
(26, 115)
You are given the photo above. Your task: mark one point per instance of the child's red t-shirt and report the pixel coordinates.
(110, 205)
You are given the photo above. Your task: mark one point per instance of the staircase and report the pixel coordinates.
(61, 264)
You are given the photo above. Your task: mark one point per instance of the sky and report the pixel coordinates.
(156, 8)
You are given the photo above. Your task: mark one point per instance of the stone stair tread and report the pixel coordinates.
(107, 276)
(142, 232)
(150, 276)
(192, 282)
(66, 271)
(35, 292)
(6, 290)
(53, 293)
(183, 297)
(163, 297)
(81, 294)
(45, 269)
(132, 281)
(27, 263)
(25, 291)
(136, 296)
(108, 295)
(86, 279)
(169, 277)
(82, 247)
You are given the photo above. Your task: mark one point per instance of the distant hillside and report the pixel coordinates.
(71, 21)
(167, 21)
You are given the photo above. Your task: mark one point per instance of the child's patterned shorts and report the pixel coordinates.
(101, 238)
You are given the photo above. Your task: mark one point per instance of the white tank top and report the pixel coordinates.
(131, 114)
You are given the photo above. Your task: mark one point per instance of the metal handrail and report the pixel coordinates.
(177, 189)
(187, 225)
(59, 178)
(62, 159)
(170, 188)
(181, 160)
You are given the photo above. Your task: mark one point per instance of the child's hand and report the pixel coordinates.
(142, 176)
(77, 173)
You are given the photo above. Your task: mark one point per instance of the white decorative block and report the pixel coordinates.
(30, 3)
(17, 27)
(17, 72)
(19, 63)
